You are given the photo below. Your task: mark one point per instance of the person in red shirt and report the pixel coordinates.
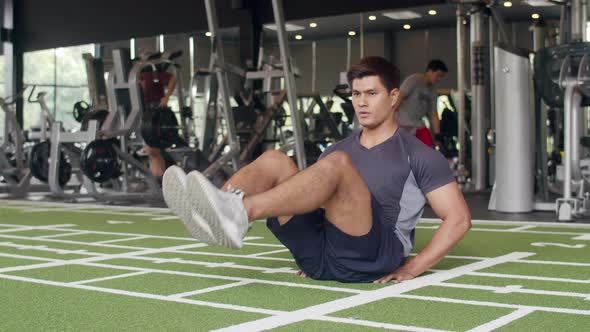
(157, 85)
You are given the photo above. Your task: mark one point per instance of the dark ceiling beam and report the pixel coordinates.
(55, 23)
(302, 9)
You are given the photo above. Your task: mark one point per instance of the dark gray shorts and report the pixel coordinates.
(324, 252)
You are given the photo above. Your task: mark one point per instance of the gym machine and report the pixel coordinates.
(13, 159)
(528, 178)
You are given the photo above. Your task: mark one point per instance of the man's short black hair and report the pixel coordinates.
(387, 72)
(435, 65)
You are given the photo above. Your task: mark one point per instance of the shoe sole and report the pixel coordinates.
(174, 190)
(200, 191)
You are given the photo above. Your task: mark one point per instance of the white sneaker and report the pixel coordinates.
(223, 211)
(174, 188)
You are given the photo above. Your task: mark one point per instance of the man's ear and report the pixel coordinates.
(395, 95)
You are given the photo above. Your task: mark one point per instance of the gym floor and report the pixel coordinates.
(93, 267)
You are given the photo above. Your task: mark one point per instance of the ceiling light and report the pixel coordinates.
(535, 16)
(208, 33)
(313, 25)
(372, 18)
(507, 4)
(539, 3)
(402, 15)
(351, 33)
(298, 37)
(288, 27)
(407, 27)
(432, 12)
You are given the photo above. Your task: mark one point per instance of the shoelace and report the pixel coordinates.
(241, 194)
(236, 191)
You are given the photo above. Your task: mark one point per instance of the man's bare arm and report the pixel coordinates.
(448, 203)
(435, 122)
(169, 91)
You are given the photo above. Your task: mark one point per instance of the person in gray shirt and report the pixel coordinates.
(419, 100)
(349, 217)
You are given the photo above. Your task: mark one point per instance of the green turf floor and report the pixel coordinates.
(72, 268)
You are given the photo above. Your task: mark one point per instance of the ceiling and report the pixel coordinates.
(46, 24)
(329, 27)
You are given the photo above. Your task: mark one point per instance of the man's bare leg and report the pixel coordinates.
(156, 161)
(264, 173)
(332, 183)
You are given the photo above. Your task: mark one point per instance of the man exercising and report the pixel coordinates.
(157, 86)
(349, 217)
(419, 99)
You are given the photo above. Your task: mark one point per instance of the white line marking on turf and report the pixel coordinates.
(519, 276)
(123, 240)
(221, 277)
(522, 228)
(216, 305)
(45, 248)
(187, 239)
(99, 210)
(118, 276)
(143, 295)
(38, 226)
(507, 289)
(477, 258)
(106, 245)
(11, 230)
(583, 237)
(510, 230)
(372, 296)
(496, 305)
(561, 245)
(502, 321)
(136, 234)
(207, 253)
(527, 261)
(31, 228)
(32, 210)
(116, 222)
(178, 260)
(250, 238)
(41, 226)
(264, 245)
(95, 259)
(375, 324)
(552, 263)
(513, 289)
(513, 223)
(268, 253)
(72, 242)
(53, 227)
(17, 203)
(211, 289)
(32, 258)
(62, 234)
(164, 218)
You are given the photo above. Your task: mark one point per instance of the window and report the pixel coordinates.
(2, 76)
(61, 73)
(2, 115)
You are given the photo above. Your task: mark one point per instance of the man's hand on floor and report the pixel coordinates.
(301, 274)
(397, 276)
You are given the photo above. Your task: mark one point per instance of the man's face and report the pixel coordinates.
(434, 77)
(373, 104)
